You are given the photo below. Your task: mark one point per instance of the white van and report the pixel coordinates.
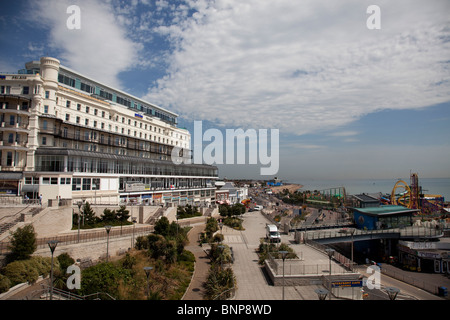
(258, 207)
(272, 233)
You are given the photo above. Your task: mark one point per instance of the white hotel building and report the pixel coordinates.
(65, 135)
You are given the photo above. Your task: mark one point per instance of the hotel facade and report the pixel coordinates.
(64, 135)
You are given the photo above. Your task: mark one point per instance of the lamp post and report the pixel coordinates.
(392, 292)
(79, 203)
(52, 245)
(352, 232)
(330, 253)
(134, 220)
(147, 273)
(321, 293)
(283, 256)
(108, 229)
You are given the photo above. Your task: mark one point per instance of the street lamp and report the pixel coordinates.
(392, 292)
(283, 256)
(79, 203)
(134, 220)
(330, 253)
(352, 231)
(52, 245)
(321, 293)
(147, 273)
(108, 229)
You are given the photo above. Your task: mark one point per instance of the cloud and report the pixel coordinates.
(101, 47)
(303, 66)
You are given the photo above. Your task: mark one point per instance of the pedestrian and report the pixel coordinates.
(40, 199)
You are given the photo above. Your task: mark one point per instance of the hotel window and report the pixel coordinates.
(103, 114)
(44, 124)
(45, 109)
(95, 183)
(95, 112)
(86, 122)
(87, 109)
(78, 120)
(102, 125)
(54, 181)
(76, 184)
(67, 117)
(95, 124)
(86, 183)
(11, 138)
(44, 141)
(78, 107)
(68, 104)
(25, 90)
(45, 180)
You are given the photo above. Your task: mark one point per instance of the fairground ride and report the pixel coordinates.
(412, 197)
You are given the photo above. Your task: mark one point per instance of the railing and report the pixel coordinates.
(116, 232)
(414, 231)
(59, 294)
(412, 281)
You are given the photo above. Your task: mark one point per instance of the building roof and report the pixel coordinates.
(384, 210)
(365, 198)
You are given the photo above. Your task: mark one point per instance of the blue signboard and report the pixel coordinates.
(348, 284)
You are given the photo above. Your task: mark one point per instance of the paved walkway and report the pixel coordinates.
(196, 290)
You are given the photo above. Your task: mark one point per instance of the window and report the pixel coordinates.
(12, 120)
(86, 122)
(54, 181)
(45, 180)
(76, 184)
(44, 141)
(68, 104)
(103, 114)
(64, 181)
(45, 109)
(86, 183)
(44, 124)
(67, 117)
(78, 107)
(95, 183)
(25, 90)
(87, 109)
(11, 138)
(95, 124)
(78, 120)
(9, 159)
(95, 112)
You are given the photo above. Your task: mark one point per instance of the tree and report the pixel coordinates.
(23, 243)
(108, 215)
(89, 214)
(123, 214)
(162, 226)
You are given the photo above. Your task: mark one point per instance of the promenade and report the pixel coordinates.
(252, 280)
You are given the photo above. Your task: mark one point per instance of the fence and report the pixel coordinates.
(410, 280)
(116, 232)
(413, 231)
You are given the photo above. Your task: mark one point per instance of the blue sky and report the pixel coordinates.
(349, 102)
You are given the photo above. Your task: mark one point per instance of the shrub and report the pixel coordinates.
(5, 283)
(23, 243)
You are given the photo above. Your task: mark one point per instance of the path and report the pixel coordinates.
(196, 290)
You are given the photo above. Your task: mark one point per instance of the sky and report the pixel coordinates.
(348, 100)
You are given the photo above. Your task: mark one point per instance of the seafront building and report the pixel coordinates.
(65, 135)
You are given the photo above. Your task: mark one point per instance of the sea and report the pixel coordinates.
(435, 186)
